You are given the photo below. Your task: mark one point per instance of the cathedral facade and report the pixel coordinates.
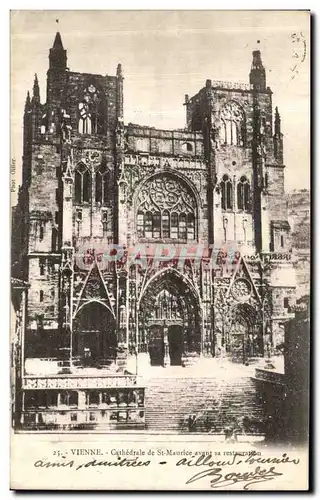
(158, 246)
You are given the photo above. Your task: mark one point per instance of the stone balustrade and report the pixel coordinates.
(145, 160)
(270, 376)
(78, 382)
(220, 84)
(276, 256)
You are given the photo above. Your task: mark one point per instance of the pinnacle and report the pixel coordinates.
(57, 44)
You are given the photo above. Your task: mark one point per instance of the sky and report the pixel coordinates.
(167, 54)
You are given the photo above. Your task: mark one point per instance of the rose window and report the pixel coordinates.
(241, 289)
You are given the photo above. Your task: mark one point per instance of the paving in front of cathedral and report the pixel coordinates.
(211, 368)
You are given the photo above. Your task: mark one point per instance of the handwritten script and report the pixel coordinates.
(219, 479)
(220, 473)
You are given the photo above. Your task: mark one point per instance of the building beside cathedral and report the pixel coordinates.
(144, 247)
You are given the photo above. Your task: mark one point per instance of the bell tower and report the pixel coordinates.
(257, 75)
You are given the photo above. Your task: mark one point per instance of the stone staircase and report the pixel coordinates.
(217, 403)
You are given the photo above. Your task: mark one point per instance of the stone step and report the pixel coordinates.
(217, 403)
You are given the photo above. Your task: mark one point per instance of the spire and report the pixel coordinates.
(57, 44)
(258, 72)
(36, 90)
(277, 122)
(28, 102)
(58, 56)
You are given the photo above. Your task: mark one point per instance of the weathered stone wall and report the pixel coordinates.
(133, 156)
(166, 142)
(143, 161)
(44, 288)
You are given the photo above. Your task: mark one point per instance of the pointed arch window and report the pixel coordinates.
(156, 225)
(91, 112)
(226, 193)
(166, 224)
(190, 227)
(102, 185)
(82, 185)
(104, 221)
(166, 210)
(84, 124)
(140, 224)
(182, 227)
(148, 225)
(233, 124)
(174, 226)
(167, 306)
(243, 194)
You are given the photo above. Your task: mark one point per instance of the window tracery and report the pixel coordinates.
(226, 193)
(102, 185)
(104, 218)
(167, 306)
(233, 124)
(82, 184)
(166, 209)
(243, 194)
(90, 112)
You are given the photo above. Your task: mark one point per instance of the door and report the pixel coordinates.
(94, 339)
(175, 344)
(88, 346)
(156, 345)
(237, 348)
(239, 340)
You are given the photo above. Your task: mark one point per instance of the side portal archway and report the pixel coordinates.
(94, 340)
(243, 339)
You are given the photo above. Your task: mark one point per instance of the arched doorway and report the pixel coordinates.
(169, 318)
(94, 340)
(175, 341)
(243, 340)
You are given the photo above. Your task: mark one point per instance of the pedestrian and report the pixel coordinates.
(191, 422)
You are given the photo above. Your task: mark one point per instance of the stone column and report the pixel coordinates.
(67, 180)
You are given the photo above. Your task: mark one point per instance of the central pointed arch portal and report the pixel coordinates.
(170, 319)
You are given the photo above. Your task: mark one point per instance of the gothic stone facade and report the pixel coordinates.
(212, 193)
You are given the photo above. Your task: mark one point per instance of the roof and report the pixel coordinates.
(57, 44)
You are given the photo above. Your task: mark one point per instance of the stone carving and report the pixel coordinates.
(65, 125)
(232, 111)
(78, 282)
(120, 134)
(67, 257)
(241, 289)
(92, 289)
(93, 156)
(166, 192)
